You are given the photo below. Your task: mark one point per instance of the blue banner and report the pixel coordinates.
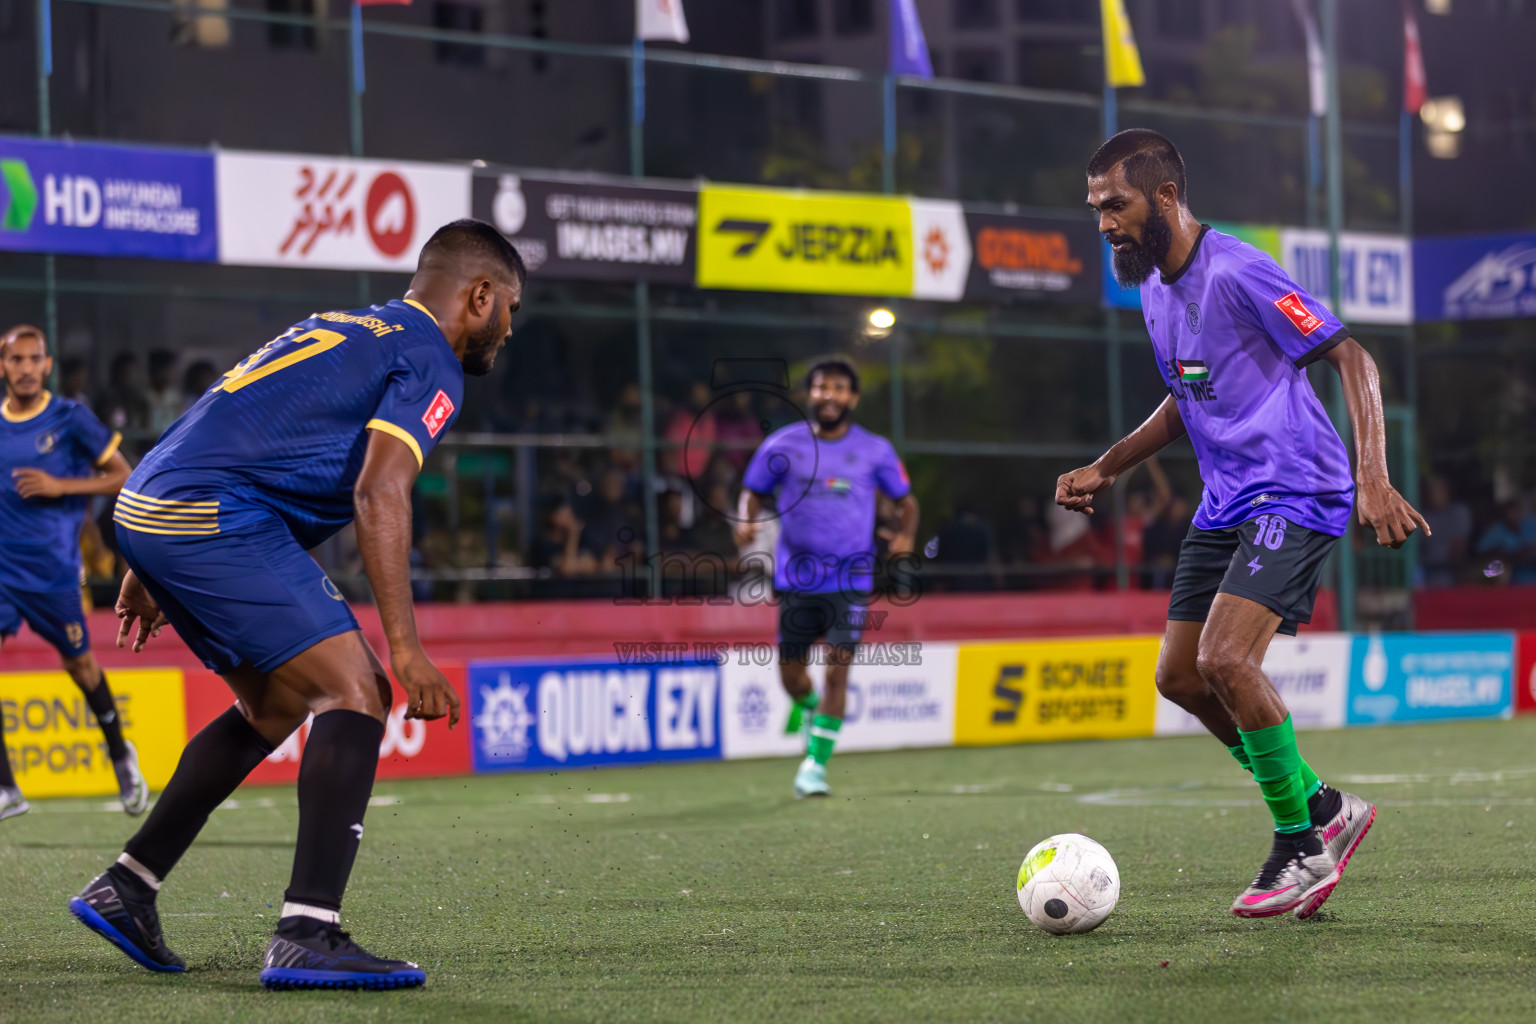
(1480, 277)
(592, 713)
(1428, 677)
(81, 199)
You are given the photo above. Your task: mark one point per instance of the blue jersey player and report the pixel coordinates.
(326, 424)
(54, 454)
(1233, 335)
(825, 474)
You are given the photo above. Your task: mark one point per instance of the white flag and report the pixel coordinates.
(660, 19)
(1317, 74)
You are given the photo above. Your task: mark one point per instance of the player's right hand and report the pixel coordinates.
(427, 693)
(745, 532)
(134, 604)
(1077, 489)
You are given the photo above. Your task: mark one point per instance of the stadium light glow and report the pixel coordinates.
(1445, 118)
(1437, 6)
(882, 319)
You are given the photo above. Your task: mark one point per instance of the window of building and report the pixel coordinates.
(1181, 19)
(459, 17)
(976, 64)
(975, 13)
(796, 19)
(853, 17)
(1072, 12)
(286, 35)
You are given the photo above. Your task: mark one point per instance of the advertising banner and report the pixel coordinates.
(55, 743)
(1426, 677)
(594, 232)
(1477, 277)
(411, 748)
(277, 210)
(1056, 690)
(908, 703)
(82, 199)
(1311, 674)
(1375, 273)
(943, 245)
(534, 714)
(1525, 673)
(781, 240)
(1032, 258)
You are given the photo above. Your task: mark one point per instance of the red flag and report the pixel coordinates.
(1415, 83)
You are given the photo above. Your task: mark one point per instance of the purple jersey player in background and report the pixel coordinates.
(825, 474)
(1233, 335)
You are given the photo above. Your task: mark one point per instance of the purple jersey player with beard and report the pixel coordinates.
(825, 474)
(1233, 335)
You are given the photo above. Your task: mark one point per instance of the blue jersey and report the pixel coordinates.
(1233, 336)
(285, 431)
(826, 497)
(42, 536)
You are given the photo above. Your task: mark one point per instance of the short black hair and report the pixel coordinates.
(841, 366)
(1150, 159)
(475, 240)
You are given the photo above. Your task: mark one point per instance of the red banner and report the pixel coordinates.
(1525, 673)
(411, 748)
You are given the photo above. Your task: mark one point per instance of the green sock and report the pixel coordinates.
(824, 730)
(1310, 783)
(797, 711)
(1277, 769)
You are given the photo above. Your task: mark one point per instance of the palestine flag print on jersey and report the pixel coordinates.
(1192, 370)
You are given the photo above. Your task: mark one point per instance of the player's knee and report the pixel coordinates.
(1181, 684)
(1219, 663)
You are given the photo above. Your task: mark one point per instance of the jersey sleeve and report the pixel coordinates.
(422, 395)
(93, 440)
(1299, 325)
(766, 470)
(891, 475)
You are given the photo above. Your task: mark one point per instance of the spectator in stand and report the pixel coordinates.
(164, 395)
(690, 434)
(558, 546)
(738, 428)
(614, 524)
(198, 379)
(1511, 541)
(1162, 539)
(623, 429)
(1142, 510)
(1443, 554)
(74, 380)
(122, 405)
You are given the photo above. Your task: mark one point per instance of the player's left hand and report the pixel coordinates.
(1382, 509)
(35, 483)
(898, 543)
(134, 604)
(428, 694)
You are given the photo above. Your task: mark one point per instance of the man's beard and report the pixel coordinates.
(481, 352)
(834, 422)
(1135, 264)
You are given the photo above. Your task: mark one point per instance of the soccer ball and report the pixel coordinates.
(1068, 884)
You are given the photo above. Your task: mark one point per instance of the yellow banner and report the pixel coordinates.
(792, 241)
(1122, 60)
(55, 743)
(1056, 690)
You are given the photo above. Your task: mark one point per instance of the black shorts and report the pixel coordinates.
(836, 617)
(1268, 559)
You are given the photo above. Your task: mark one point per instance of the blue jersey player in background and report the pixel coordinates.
(326, 424)
(54, 455)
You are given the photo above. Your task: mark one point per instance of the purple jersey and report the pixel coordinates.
(826, 494)
(1233, 335)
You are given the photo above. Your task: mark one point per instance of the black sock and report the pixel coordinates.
(105, 709)
(7, 780)
(1324, 804)
(212, 766)
(1303, 844)
(341, 756)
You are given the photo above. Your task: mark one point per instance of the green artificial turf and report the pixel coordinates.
(707, 893)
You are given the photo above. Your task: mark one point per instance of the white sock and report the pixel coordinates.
(309, 910)
(145, 875)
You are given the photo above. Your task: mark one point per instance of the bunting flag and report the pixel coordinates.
(1415, 82)
(661, 19)
(909, 47)
(1317, 69)
(1122, 61)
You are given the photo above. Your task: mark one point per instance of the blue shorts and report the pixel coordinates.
(58, 616)
(251, 596)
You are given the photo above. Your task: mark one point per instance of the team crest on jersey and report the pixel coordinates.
(436, 416)
(1192, 317)
(1305, 320)
(45, 442)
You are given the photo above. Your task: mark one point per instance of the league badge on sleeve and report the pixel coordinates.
(1304, 319)
(436, 416)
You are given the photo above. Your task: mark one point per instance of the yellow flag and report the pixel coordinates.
(1122, 61)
